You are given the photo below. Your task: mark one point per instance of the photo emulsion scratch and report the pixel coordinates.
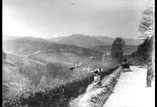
(78, 53)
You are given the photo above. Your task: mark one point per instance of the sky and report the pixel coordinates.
(54, 18)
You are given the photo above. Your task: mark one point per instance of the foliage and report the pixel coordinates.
(117, 49)
(146, 27)
(45, 84)
(13, 81)
(145, 49)
(57, 96)
(143, 53)
(57, 70)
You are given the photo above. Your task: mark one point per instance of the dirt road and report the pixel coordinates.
(131, 90)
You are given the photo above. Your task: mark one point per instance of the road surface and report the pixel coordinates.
(131, 90)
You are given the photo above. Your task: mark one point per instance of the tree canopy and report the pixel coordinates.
(146, 26)
(117, 49)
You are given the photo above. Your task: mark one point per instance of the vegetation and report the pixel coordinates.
(146, 28)
(58, 96)
(143, 53)
(35, 80)
(56, 70)
(117, 49)
(128, 49)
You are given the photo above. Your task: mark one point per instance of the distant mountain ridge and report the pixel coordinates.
(25, 46)
(6, 38)
(91, 41)
(45, 51)
(80, 40)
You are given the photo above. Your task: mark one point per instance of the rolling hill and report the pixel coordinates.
(7, 38)
(89, 41)
(80, 40)
(104, 39)
(47, 50)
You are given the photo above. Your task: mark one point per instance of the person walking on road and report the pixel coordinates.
(149, 74)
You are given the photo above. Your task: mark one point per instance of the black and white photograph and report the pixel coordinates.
(78, 53)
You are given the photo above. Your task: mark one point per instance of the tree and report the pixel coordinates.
(144, 50)
(147, 27)
(117, 49)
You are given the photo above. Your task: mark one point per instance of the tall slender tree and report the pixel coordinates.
(117, 49)
(147, 27)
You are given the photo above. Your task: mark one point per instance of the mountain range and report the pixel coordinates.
(80, 40)
(74, 45)
(47, 50)
(90, 41)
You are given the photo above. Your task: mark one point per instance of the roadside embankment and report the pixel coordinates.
(96, 97)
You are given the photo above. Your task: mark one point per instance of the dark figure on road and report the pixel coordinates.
(125, 64)
(149, 74)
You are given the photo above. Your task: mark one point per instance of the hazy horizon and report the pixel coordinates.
(57, 18)
(50, 37)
